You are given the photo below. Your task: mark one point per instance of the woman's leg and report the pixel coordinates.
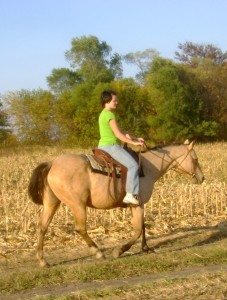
(121, 155)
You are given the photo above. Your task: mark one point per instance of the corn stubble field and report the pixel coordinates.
(175, 204)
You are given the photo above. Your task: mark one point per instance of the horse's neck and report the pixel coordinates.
(158, 162)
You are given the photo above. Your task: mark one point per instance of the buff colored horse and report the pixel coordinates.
(69, 179)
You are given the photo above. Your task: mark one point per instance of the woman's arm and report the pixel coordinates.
(126, 138)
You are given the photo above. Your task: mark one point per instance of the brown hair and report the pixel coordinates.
(106, 97)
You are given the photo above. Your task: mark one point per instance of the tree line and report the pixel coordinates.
(167, 101)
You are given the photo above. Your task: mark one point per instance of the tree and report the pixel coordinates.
(31, 114)
(63, 112)
(85, 99)
(142, 59)
(213, 93)
(176, 103)
(193, 54)
(62, 80)
(93, 60)
(133, 106)
(4, 129)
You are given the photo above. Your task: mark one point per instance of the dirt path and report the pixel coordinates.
(21, 258)
(70, 289)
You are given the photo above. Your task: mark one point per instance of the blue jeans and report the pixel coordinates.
(121, 155)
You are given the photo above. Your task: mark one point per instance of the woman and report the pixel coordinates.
(110, 134)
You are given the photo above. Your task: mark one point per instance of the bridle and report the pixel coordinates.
(179, 167)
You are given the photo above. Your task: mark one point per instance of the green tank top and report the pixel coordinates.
(107, 137)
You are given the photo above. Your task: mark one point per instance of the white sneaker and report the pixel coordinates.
(129, 199)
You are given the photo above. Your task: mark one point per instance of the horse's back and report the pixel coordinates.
(69, 172)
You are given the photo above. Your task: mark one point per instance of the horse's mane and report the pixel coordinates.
(156, 147)
(161, 146)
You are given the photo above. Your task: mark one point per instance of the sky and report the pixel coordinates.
(35, 34)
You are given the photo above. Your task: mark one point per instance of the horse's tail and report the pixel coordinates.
(38, 182)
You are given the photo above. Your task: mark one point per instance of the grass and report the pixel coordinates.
(207, 287)
(125, 267)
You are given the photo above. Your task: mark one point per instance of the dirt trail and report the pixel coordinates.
(20, 259)
(70, 289)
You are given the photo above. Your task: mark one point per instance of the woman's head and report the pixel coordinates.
(106, 97)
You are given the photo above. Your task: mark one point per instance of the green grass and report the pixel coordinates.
(127, 266)
(211, 287)
(207, 286)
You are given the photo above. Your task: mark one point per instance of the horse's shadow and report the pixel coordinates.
(160, 242)
(181, 234)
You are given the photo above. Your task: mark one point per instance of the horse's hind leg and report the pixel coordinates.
(80, 216)
(51, 204)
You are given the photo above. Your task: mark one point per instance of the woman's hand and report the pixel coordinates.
(138, 143)
(141, 140)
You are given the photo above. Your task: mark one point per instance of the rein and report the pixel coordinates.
(179, 164)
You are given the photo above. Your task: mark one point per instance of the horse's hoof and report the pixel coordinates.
(43, 264)
(100, 255)
(149, 250)
(117, 252)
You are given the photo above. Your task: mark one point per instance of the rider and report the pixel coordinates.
(110, 134)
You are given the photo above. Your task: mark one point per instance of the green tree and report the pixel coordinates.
(4, 128)
(31, 114)
(93, 60)
(62, 80)
(208, 63)
(212, 80)
(133, 107)
(87, 107)
(176, 103)
(63, 112)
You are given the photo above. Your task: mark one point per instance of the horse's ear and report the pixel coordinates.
(186, 142)
(191, 145)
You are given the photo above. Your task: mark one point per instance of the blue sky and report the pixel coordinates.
(35, 34)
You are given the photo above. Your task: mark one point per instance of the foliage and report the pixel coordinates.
(63, 114)
(170, 101)
(85, 118)
(211, 85)
(133, 107)
(93, 60)
(62, 80)
(176, 103)
(142, 60)
(193, 54)
(31, 114)
(4, 129)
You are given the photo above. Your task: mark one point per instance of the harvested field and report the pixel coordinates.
(178, 217)
(173, 202)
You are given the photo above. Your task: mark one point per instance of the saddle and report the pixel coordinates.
(103, 163)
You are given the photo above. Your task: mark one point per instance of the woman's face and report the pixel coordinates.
(113, 103)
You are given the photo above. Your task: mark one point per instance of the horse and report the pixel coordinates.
(70, 180)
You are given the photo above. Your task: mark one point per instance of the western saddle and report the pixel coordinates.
(116, 169)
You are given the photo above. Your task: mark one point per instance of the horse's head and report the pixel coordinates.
(188, 164)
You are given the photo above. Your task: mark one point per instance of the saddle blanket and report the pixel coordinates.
(100, 168)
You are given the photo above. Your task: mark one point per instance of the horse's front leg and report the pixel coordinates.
(137, 221)
(145, 247)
